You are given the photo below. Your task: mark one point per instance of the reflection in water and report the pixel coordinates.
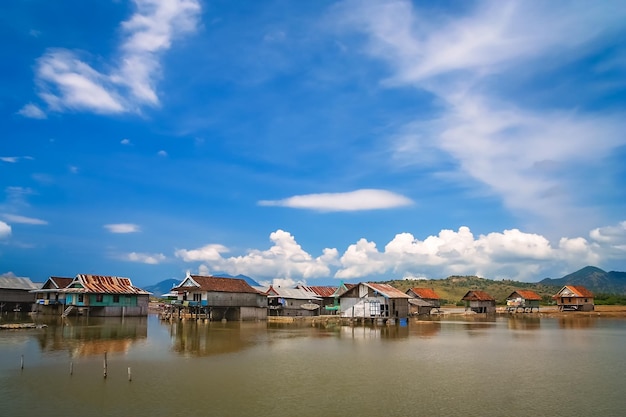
(206, 338)
(523, 322)
(577, 322)
(86, 336)
(425, 328)
(374, 332)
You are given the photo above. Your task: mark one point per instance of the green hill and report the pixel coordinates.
(453, 288)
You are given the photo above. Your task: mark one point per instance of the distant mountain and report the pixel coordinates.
(165, 286)
(249, 280)
(594, 279)
(162, 287)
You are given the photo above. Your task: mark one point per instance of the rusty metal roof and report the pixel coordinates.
(476, 295)
(526, 295)
(215, 284)
(322, 291)
(387, 290)
(100, 284)
(427, 293)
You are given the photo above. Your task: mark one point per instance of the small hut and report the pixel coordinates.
(479, 302)
(523, 300)
(574, 297)
(423, 301)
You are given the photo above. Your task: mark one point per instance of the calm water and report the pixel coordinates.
(448, 367)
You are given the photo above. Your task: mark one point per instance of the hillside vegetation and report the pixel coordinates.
(453, 288)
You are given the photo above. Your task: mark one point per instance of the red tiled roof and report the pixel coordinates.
(427, 293)
(219, 284)
(476, 295)
(526, 295)
(100, 284)
(61, 282)
(387, 290)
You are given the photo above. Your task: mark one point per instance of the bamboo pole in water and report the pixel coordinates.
(105, 364)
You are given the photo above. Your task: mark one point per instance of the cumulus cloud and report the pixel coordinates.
(122, 228)
(145, 258)
(14, 218)
(366, 199)
(67, 82)
(125, 142)
(285, 258)
(5, 230)
(511, 254)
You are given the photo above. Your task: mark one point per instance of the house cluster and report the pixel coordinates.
(93, 295)
(233, 299)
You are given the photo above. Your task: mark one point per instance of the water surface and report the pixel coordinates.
(518, 366)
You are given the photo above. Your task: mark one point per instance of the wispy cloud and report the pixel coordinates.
(122, 228)
(13, 159)
(32, 111)
(125, 142)
(5, 230)
(366, 199)
(14, 218)
(66, 82)
(525, 155)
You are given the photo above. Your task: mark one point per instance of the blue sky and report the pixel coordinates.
(296, 141)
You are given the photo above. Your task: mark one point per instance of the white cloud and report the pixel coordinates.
(14, 218)
(122, 228)
(5, 230)
(14, 159)
(206, 253)
(162, 153)
(145, 258)
(529, 157)
(284, 259)
(365, 199)
(32, 111)
(125, 142)
(66, 82)
(511, 254)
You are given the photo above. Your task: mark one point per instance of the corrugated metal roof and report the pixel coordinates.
(218, 284)
(18, 283)
(292, 293)
(476, 295)
(322, 291)
(526, 295)
(100, 284)
(428, 293)
(387, 290)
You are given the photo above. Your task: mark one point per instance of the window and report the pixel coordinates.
(99, 298)
(197, 297)
(116, 298)
(81, 298)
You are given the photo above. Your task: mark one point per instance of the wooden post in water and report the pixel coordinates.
(22, 362)
(130, 378)
(71, 368)
(105, 364)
